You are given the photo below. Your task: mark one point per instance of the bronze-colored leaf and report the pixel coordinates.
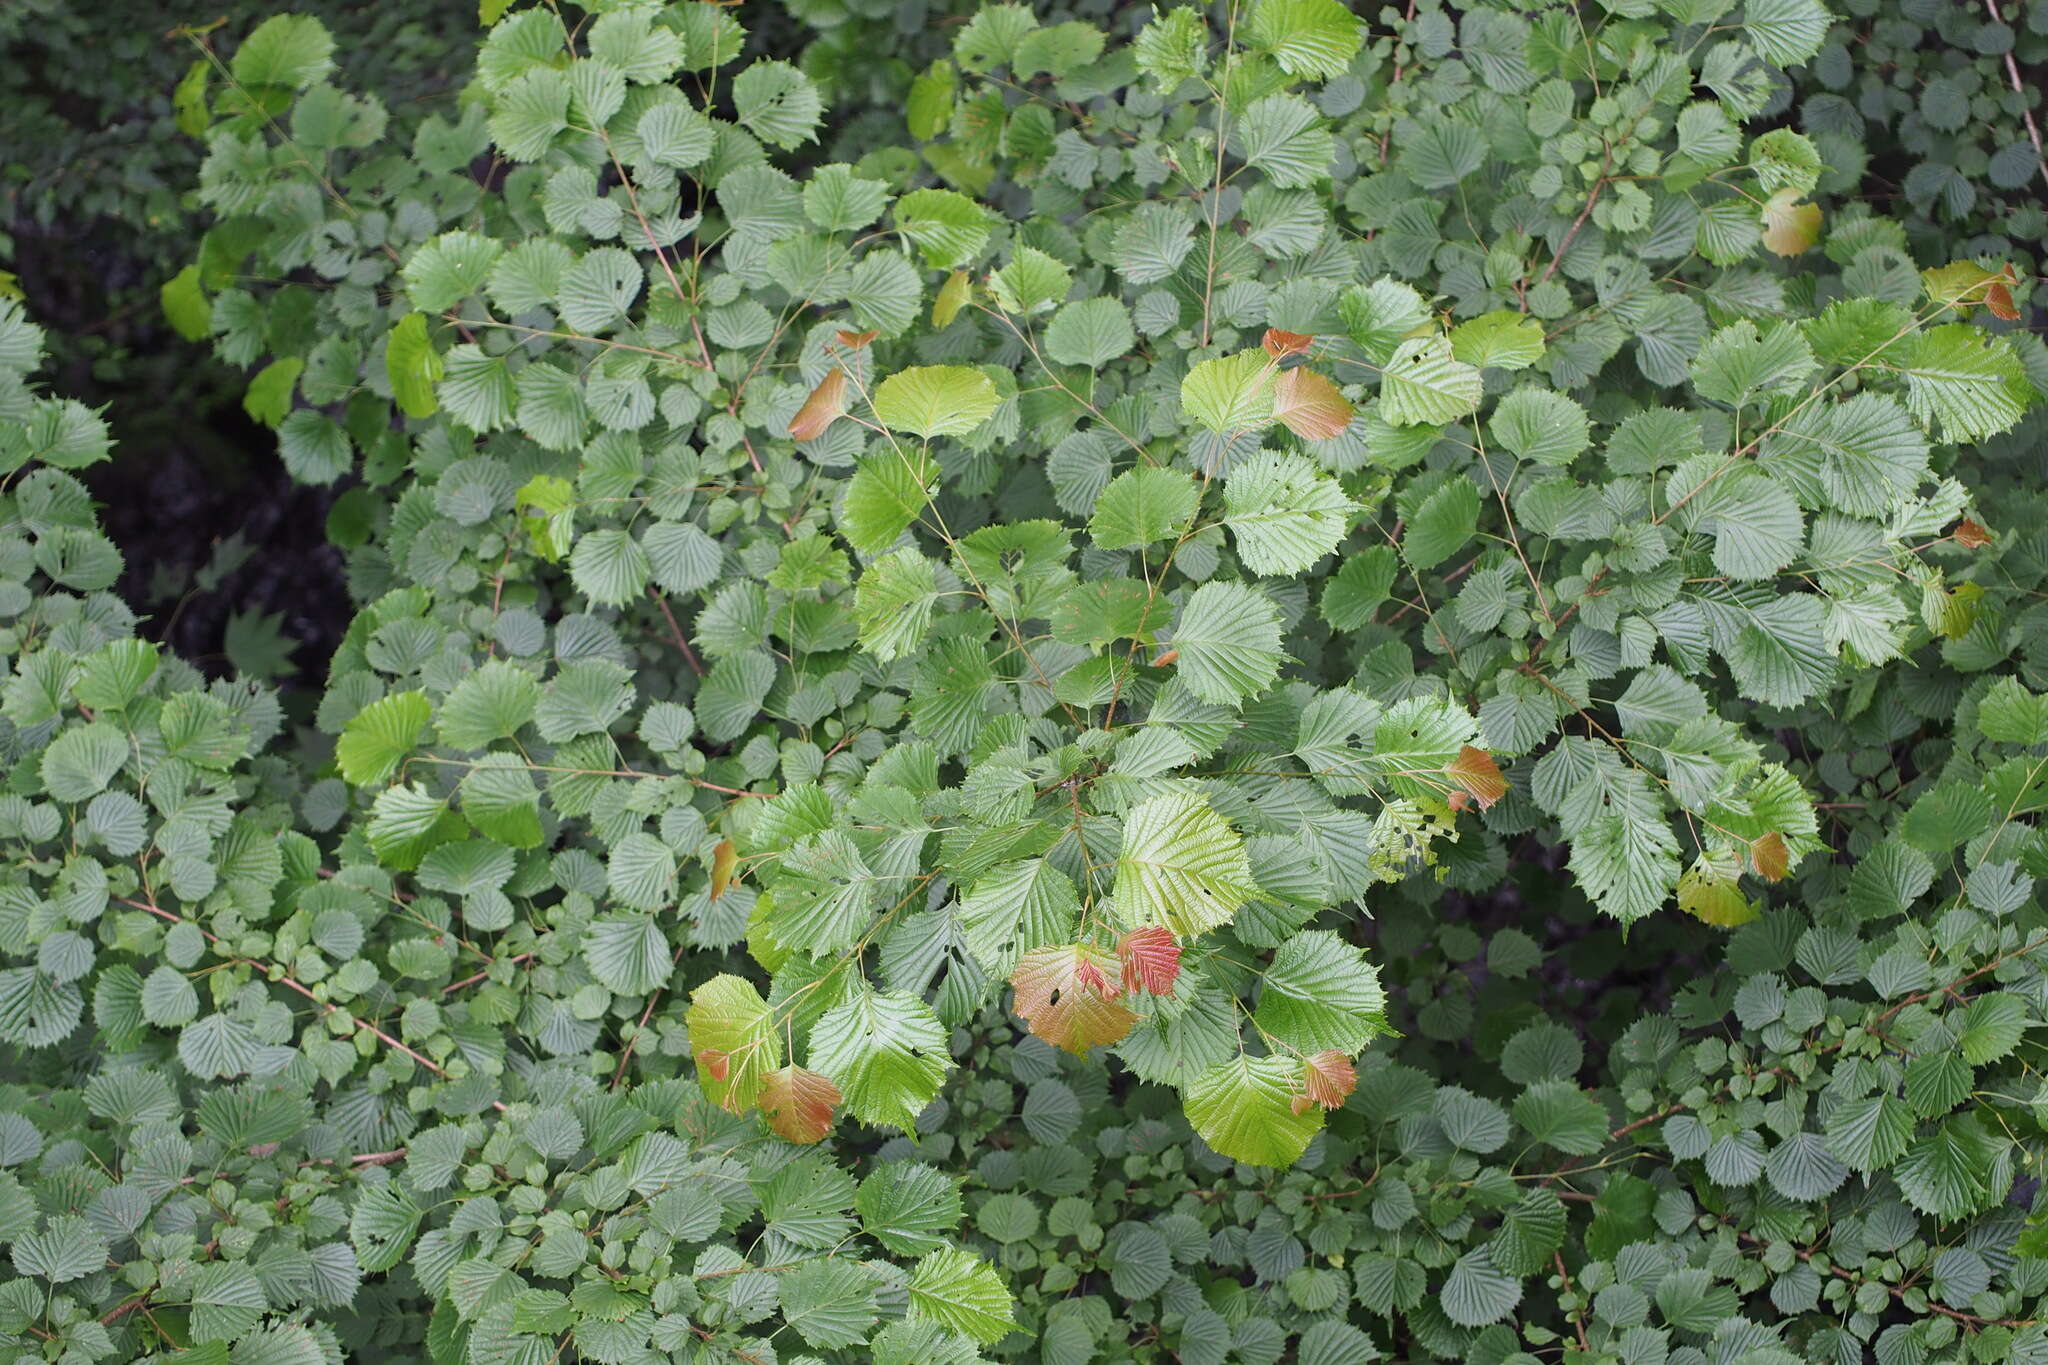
(826, 405)
(1067, 997)
(798, 1103)
(1309, 405)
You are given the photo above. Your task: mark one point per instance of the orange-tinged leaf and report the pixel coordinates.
(953, 296)
(1066, 996)
(1327, 1079)
(853, 341)
(1478, 776)
(1151, 959)
(798, 1103)
(1279, 343)
(1770, 856)
(826, 405)
(1309, 405)
(714, 1063)
(723, 859)
(1790, 228)
(1166, 658)
(1972, 535)
(1998, 298)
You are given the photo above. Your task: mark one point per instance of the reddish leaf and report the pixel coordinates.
(723, 859)
(1279, 344)
(1478, 775)
(1151, 960)
(1998, 298)
(1066, 996)
(798, 1103)
(826, 405)
(1166, 658)
(1309, 405)
(1972, 536)
(715, 1064)
(853, 341)
(1326, 1079)
(1771, 857)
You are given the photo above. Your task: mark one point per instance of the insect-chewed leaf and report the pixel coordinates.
(1327, 1078)
(1151, 959)
(826, 405)
(798, 1103)
(1069, 997)
(1478, 775)
(1971, 535)
(1309, 405)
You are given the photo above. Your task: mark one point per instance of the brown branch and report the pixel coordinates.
(675, 630)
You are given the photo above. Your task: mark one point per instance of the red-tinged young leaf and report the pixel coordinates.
(1998, 299)
(798, 1103)
(1327, 1079)
(1972, 535)
(714, 1063)
(826, 405)
(1166, 658)
(1770, 856)
(1066, 996)
(723, 859)
(1279, 344)
(1478, 776)
(1309, 405)
(1151, 960)
(853, 341)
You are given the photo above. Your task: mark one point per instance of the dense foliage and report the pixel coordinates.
(1207, 685)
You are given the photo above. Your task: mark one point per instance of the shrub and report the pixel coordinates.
(1215, 478)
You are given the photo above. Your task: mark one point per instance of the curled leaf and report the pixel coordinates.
(826, 405)
(1066, 996)
(1972, 535)
(1151, 958)
(798, 1103)
(853, 341)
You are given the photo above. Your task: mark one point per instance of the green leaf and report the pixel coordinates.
(935, 400)
(291, 50)
(1089, 332)
(886, 1052)
(1143, 506)
(1443, 524)
(1244, 1109)
(1321, 994)
(1181, 866)
(1284, 513)
(413, 366)
(778, 104)
(951, 230)
(1423, 382)
(1230, 393)
(1316, 38)
(963, 1293)
(1228, 637)
(380, 737)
